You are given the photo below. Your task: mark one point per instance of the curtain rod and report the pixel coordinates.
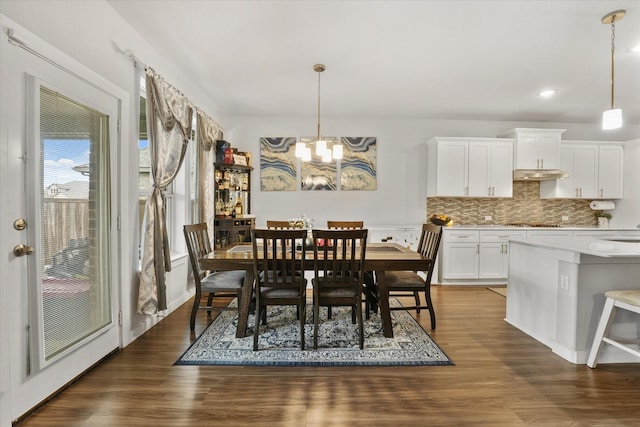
(137, 61)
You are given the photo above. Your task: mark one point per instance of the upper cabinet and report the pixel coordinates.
(536, 148)
(469, 167)
(595, 171)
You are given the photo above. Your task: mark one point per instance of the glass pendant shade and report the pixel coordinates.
(612, 119)
(300, 148)
(326, 155)
(337, 152)
(306, 154)
(321, 147)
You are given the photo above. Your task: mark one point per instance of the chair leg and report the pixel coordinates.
(416, 296)
(194, 310)
(316, 321)
(358, 309)
(260, 311)
(302, 310)
(328, 312)
(432, 312)
(210, 302)
(604, 326)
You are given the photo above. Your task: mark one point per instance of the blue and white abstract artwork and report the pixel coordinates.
(358, 164)
(278, 164)
(318, 175)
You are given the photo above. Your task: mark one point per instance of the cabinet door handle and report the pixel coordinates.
(602, 192)
(541, 163)
(488, 191)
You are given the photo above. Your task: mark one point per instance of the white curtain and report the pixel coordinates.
(208, 133)
(169, 120)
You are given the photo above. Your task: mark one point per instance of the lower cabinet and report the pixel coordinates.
(476, 255)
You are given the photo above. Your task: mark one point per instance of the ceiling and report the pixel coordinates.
(468, 60)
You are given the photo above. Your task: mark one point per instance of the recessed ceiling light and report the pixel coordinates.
(547, 93)
(636, 49)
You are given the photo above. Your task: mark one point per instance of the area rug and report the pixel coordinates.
(337, 342)
(500, 291)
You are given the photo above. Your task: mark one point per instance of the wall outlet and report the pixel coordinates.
(487, 218)
(565, 217)
(564, 282)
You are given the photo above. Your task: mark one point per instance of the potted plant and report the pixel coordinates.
(602, 218)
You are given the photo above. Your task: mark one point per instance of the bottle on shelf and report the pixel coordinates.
(238, 208)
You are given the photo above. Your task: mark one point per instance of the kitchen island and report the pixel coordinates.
(556, 289)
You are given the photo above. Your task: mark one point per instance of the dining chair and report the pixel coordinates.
(342, 225)
(278, 225)
(338, 273)
(279, 271)
(218, 284)
(369, 281)
(411, 283)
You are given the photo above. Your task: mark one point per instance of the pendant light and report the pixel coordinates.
(322, 148)
(612, 119)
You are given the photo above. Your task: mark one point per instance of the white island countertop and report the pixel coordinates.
(556, 288)
(608, 248)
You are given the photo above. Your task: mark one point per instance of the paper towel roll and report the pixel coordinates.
(602, 205)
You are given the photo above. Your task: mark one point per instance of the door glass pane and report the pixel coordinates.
(76, 282)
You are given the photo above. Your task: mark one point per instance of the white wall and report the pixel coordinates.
(400, 198)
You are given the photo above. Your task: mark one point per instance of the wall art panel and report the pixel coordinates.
(278, 164)
(358, 165)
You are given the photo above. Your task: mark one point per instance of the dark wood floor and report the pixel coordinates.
(501, 377)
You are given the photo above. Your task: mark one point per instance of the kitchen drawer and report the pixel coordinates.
(461, 236)
(500, 235)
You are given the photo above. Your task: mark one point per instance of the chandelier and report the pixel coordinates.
(326, 148)
(612, 119)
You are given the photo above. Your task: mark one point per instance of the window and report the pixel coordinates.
(180, 196)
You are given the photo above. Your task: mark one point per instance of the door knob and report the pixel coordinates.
(21, 250)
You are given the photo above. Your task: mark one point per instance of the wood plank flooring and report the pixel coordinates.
(501, 377)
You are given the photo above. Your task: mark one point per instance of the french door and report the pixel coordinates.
(58, 226)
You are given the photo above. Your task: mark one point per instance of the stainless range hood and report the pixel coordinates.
(538, 174)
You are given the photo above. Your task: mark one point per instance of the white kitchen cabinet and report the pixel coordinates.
(610, 171)
(595, 172)
(494, 253)
(459, 258)
(536, 148)
(490, 169)
(470, 167)
(474, 254)
(447, 160)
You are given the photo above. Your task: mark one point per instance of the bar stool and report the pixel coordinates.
(627, 300)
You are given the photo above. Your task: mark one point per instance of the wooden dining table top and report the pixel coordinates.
(379, 257)
(383, 256)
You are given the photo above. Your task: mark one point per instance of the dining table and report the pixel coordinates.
(379, 258)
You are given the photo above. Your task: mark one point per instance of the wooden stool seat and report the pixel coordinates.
(627, 300)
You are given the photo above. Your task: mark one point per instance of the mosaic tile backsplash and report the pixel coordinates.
(525, 206)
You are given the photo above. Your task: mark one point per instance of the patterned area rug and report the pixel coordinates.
(337, 342)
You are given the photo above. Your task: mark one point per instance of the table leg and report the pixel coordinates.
(245, 302)
(383, 303)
